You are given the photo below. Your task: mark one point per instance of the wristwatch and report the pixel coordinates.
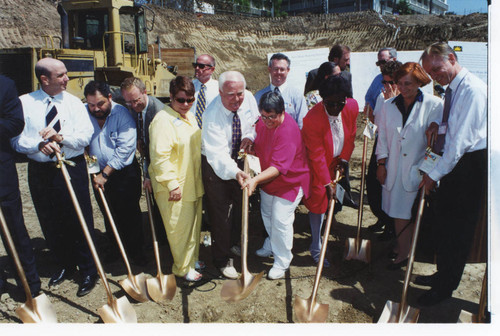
(106, 176)
(380, 164)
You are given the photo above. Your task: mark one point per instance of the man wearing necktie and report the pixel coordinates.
(144, 108)
(228, 125)
(295, 103)
(206, 88)
(55, 118)
(461, 171)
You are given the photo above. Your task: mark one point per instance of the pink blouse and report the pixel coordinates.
(282, 148)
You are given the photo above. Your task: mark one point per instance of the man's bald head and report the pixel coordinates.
(52, 75)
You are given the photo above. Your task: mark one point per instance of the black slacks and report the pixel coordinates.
(123, 191)
(13, 213)
(456, 209)
(56, 213)
(223, 205)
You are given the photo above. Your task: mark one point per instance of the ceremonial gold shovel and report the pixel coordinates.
(237, 290)
(133, 285)
(308, 310)
(34, 310)
(162, 287)
(357, 248)
(116, 310)
(402, 312)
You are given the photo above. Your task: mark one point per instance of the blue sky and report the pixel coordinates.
(464, 7)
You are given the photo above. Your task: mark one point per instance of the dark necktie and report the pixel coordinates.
(277, 90)
(141, 144)
(236, 138)
(52, 117)
(200, 105)
(439, 145)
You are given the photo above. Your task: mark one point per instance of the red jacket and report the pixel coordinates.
(317, 136)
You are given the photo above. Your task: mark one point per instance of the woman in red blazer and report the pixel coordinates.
(328, 133)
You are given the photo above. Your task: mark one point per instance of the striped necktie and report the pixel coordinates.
(51, 116)
(277, 90)
(439, 145)
(141, 144)
(236, 138)
(200, 105)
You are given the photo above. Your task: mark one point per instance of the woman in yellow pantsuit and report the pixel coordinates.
(175, 171)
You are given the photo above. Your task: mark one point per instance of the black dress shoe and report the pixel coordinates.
(392, 255)
(426, 280)
(87, 285)
(387, 235)
(396, 266)
(432, 297)
(349, 202)
(377, 227)
(61, 275)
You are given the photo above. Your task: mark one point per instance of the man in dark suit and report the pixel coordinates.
(144, 109)
(11, 125)
(340, 55)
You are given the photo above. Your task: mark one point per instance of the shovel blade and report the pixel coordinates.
(135, 287)
(306, 311)
(119, 311)
(466, 317)
(237, 290)
(364, 253)
(390, 314)
(41, 312)
(162, 287)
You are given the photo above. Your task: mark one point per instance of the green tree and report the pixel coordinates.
(403, 7)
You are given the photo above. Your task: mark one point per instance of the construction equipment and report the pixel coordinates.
(34, 310)
(104, 40)
(237, 290)
(357, 248)
(308, 310)
(116, 310)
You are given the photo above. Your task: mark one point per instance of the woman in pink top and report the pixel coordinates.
(284, 179)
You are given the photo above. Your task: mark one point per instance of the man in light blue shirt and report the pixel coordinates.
(295, 103)
(384, 55)
(113, 144)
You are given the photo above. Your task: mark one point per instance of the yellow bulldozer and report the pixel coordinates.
(103, 40)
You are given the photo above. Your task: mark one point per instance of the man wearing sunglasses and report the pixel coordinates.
(295, 103)
(206, 88)
(384, 55)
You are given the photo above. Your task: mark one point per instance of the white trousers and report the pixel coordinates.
(278, 215)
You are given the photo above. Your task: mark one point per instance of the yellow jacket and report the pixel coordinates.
(175, 150)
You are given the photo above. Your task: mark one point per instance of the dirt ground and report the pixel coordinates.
(355, 292)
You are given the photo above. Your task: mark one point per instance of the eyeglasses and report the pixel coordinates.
(339, 105)
(273, 117)
(388, 82)
(201, 65)
(133, 102)
(381, 62)
(184, 100)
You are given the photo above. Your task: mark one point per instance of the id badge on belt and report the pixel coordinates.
(430, 161)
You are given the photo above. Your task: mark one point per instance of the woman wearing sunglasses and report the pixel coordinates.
(284, 179)
(328, 132)
(175, 170)
(401, 148)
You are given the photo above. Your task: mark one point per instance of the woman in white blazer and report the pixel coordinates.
(401, 149)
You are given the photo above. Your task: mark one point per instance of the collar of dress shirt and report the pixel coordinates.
(146, 107)
(458, 79)
(281, 87)
(45, 97)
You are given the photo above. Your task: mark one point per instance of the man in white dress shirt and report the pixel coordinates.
(461, 171)
(295, 103)
(58, 121)
(206, 88)
(228, 125)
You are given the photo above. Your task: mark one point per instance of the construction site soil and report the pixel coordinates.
(355, 292)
